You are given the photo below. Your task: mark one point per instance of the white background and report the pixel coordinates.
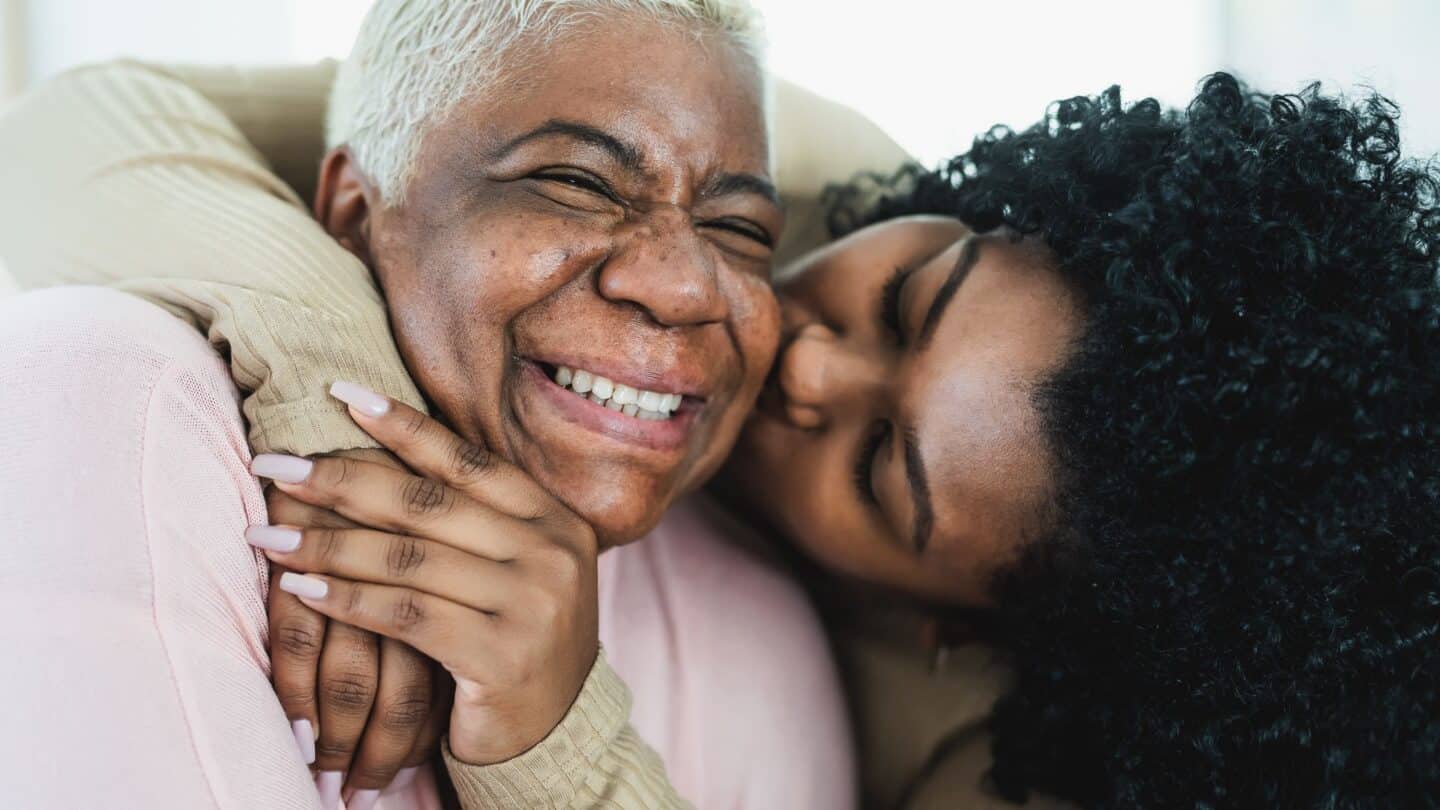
(931, 72)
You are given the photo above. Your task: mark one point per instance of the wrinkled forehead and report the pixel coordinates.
(680, 96)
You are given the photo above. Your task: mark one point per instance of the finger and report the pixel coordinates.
(393, 559)
(297, 634)
(348, 679)
(384, 498)
(402, 707)
(433, 450)
(428, 623)
(287, 509)
(427, 742)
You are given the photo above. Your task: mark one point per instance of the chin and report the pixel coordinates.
(616, 516)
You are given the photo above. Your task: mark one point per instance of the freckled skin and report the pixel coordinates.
(487, 263)
(967, 396)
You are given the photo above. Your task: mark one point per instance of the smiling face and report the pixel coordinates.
(898, 443)
(608, 219)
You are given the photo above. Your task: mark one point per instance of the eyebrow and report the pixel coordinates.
(969, 253)
(731, 183)
(627, 155)
(924, 523)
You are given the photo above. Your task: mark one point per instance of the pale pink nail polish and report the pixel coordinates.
(274, 538)
(362, 800)
(360, 398)
(329, 784)
(289, 469)
(305, 738)
(303, 586)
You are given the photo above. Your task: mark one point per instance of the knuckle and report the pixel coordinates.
(334, 750)
(354, 600)
(326, 543)
(414, 424)
(296, 638)
(338, 470)
(422, 496)
(296, 700)
(348, 693)
(469, 460)
(404, 556)
(408, 613)
(406, 710)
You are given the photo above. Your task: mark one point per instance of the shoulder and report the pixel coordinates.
(109, 352)
(99, 322)
(742, 600)
(772, 697)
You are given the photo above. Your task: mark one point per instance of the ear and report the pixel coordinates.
(344, 200)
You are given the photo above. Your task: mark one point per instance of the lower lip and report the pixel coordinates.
(666, 434)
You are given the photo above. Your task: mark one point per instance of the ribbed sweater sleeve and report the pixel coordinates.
(593, 759)
(122, 175)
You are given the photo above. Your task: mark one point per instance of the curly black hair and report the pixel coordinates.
(1239, 604)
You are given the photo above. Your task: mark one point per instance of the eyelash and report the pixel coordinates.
(865, 462)
(583, 182)
(591, 184)
(751, 233)
(889, 315)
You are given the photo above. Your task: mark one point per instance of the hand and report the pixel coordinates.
(375, 701)
(470, 562)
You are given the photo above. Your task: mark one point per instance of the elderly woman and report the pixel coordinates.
(130, 480)
(1144, 399)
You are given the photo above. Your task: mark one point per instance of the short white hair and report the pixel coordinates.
(414, 60)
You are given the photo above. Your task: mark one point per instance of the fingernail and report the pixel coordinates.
(360, 398)
(305, 738)
(403, 778)
(329, 784)
(303, 586)
(362, 800)
(274, 538)
(289, 469)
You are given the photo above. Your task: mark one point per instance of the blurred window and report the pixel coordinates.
(933, 73)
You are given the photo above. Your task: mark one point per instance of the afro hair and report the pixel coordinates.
(1239, 602)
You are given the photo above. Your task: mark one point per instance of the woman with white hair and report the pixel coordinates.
(132, 482)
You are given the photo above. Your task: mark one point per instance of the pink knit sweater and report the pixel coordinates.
(132, 625)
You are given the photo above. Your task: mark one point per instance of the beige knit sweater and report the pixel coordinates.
(129, 176)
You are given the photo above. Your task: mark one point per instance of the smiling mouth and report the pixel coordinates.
(662, 421)
(651, 406)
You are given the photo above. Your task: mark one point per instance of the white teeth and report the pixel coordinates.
(650, 405)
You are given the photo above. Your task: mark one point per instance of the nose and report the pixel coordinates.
(666, 269)
(822, 377)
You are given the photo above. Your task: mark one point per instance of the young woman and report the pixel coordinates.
(1151, 394)
(1147, 398)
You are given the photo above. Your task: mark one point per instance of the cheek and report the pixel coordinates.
(454, 287)
(801, 484)
(755, 322)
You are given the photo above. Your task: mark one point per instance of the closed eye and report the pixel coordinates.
(889, 308)
(579, 180)
(864, 472)
(744, 228)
